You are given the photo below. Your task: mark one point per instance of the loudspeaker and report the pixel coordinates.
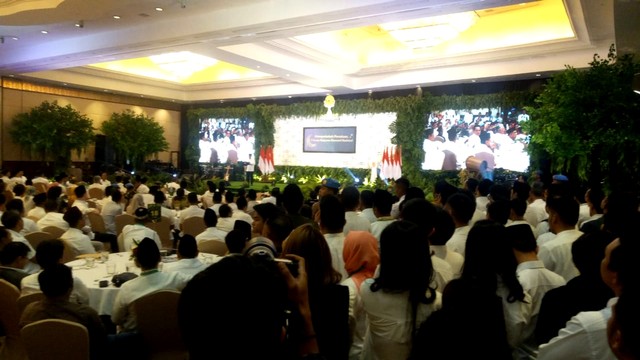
(104, 151)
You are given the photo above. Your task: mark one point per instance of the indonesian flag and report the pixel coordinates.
(384, 168)
(397, 163)
(262, 164)
(270, 166)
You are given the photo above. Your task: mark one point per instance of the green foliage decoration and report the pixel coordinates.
(586, 122)
(134, 136)
(52, 130)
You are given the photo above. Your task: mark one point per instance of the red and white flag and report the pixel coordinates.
(262, 164)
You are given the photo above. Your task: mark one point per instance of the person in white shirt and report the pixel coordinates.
(211, 220)
(133, 234)
(38, 209)
(241, 213)
(20, 192)
(104, 180)
(225, 220)
(97, 183)
(354, 222)
(188, 263)
(147, 257)
(79, 242)
(366, 206)
(110, 210)
(217, 202)
(81, 203)
(516, 216)
(536, 210)
(382, 202)
(40, 179)
(194, 208)
(140, 185)
(53, 217)
(585, 335)
(556, 253)
(332, 222)
(29, 225)
(535, 279)
(13, 223)
(443, 230)
(461, 207)
(401, 186)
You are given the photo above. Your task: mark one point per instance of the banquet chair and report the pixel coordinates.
(12, 346)
(24, 300)
(54, 230)
(193, 225)
(213, 246)
(96, 193)
(68, 254)
(163, 228)
(36, 237)
(92, 204)
(8, 194)
(64, 340)
(164, 340)
(123, 220)
(100, 230)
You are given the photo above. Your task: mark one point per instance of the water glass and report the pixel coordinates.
(111, 268)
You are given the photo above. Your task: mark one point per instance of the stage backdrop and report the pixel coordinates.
(372, 135)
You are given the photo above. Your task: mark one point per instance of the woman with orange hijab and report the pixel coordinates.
(361, 258)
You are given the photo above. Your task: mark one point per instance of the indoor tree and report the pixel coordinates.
(586, 122)
(134, 136)
(51, 131)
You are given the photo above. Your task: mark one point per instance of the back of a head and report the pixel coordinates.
(485, 250)
(306, 241)
(159, 197)
(12, 251)
(72, 216)
(445, 190)
(19, 189)
(241, 203)
(229, 197)
(278, 228)
(54, 192)
(414, 192)
(49, 252)
(350, 198)
(405, 263)
(80, 191)
(180, 193)
(235, 241)
(10, 219)
(147, 253)
(620, 209)
(366, 198)
(519, 206)
(252, 194)
(461, 207)
(537, 189)
(267, 210)
(217, 197)
(500, 192)
(56, 280)
(499, 211)
(292, 198)
(225, 211)
(16, 205)
(565, 207)
(332, 214)
(521, 190)
(383, 202)
(50, 205)
(210, 217)
(596, 195)
(211, 186)
(521, 238)
(187, 247)
(403, 183)
(472, 184)
(232, 285)
(421, 213)
(192, 198)
(587, 252)
(444, 228)
(484, 186)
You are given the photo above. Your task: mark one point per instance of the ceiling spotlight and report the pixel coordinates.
(257, 66)
(289, 96)
(538, 75)
(473, 81)
(44, 31)
(117, 17)
(159, 9)
(80, 24)
(15, 38)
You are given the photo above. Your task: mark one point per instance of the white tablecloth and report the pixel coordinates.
(102, 299)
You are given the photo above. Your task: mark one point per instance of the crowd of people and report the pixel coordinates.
(503, 271)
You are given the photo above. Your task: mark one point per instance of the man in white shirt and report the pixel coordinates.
(110, 210)
(211, 220)
(461, 207)
(241, 213)
(556, 253)
(585, 335)
(536, 210)
(81, 203)
(133, 234)
(331, 226)
(535, 279)
(52, 217)
(147, 258)
(443, 231)
(12, 221)
(194, 208)
(38, 210)
(104, 180)
(29, 225)
(74, 237)
(401, 186)
(188, 263)
(354, 222)
(366, 206)
(97, 183)
(382, 202)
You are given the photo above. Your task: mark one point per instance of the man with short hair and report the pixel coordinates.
(56, 283)
(401, 186)
(13, 259)
(13, 223)
(188, 263)
(78, 242)
(328, 186)
(29, 225)
(332, 222)
(211, 220)
(556, 252)
(366, 205)
(81, 203)
(382, 202)
(351, 199)
(38, 206)
(194, 208)
(52, 216)
(536, 210)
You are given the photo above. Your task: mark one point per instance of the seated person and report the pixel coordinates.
(133, 234)
(49, 254)
(147, 257)
(188, 263)
(78, 242)
(13, 259)
(56, 283)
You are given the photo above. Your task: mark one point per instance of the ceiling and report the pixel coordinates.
(292, 48)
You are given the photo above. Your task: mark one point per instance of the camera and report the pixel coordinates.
(262, 249)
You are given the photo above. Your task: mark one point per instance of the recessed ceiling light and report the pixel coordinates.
(159, 9)
(64, 84)
(105, 90)
(289, 96)
(15, 38)
(141, 95)
(116, 17)
(257, 66)
(473, 81)
(538, 75)
(44, 31)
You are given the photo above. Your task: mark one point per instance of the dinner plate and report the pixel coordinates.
(74, 263)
